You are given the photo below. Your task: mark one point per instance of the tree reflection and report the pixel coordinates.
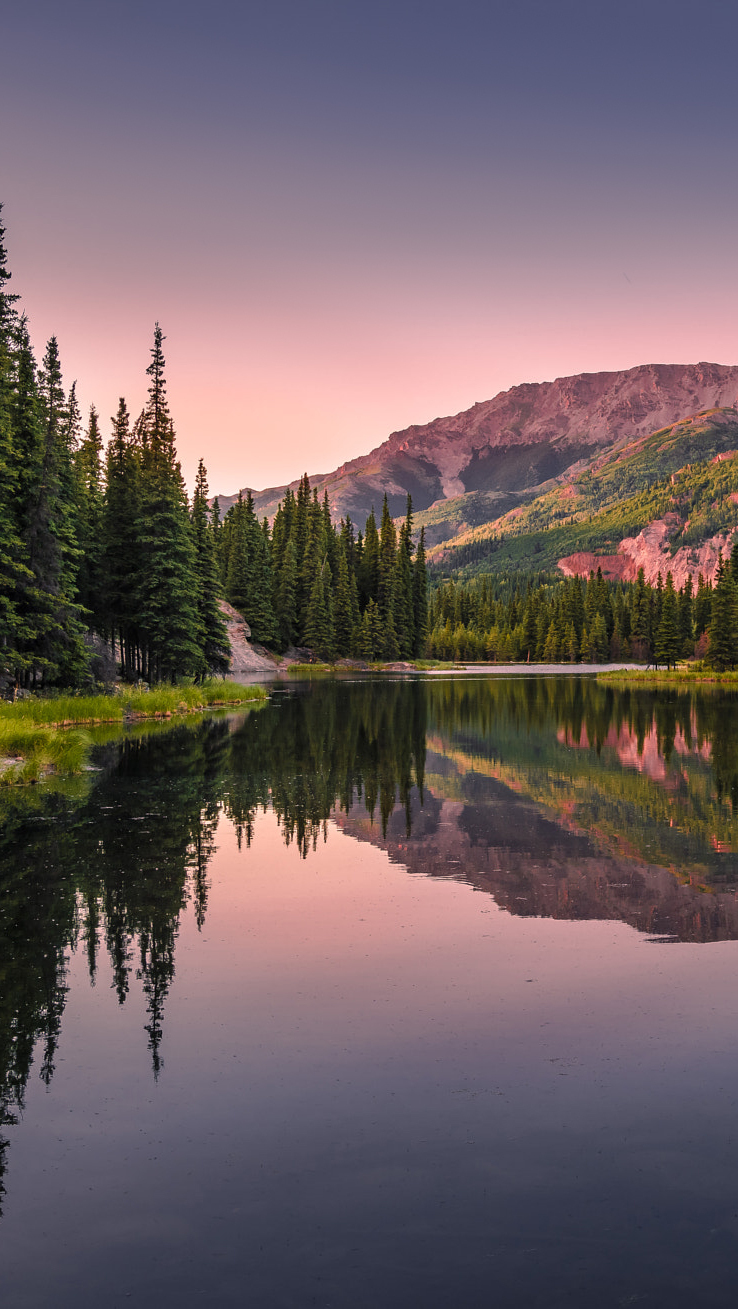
(111, 862)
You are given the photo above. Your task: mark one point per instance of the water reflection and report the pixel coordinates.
(558, 797)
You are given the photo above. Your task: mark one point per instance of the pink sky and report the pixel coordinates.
(342, 233)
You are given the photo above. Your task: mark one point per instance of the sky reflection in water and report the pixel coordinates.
(304, 1077)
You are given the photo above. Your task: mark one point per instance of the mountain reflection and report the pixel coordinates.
(558, 797)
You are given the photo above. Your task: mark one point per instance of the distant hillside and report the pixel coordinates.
(668, 501)
(467, 469)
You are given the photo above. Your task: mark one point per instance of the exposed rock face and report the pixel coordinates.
(245, 657)
(650, 551)
(519, 439)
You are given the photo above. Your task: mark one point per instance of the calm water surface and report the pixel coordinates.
(387, 994)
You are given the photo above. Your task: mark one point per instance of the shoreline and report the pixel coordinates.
(43, 738)
(296, 671)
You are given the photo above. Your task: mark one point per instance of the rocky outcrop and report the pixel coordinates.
(650, 550)
(518, 440)
(246, 657)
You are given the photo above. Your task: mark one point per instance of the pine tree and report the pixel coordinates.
(286, 599)
(403, 607)
(121, 554)
(667, 645)
(702, 606)
(319, 634)
(368, 574)
(53, 648)
(14, 574)
(260, 607)
(236, 565)
(215, 644)
(172, 636)
(89, 495)
(420, 597)
(724, 622)
(386, 571)
(371, 637)
(685, 619)
(343, 609)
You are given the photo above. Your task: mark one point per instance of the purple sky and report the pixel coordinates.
(349, 217)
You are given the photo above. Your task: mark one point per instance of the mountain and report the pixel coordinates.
(667, 502)
(478, 464)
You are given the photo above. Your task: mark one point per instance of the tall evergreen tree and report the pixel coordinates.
(368, 572)
(121, 554)
(344, 618)
(215, 644)
(386, 570)
(667, 645)
(89, 495)
(53, 648)
(286, 597)
(420, 598)
(403, 607)
(14, 574)
(167, 586)
(723, 648)
(319, 632)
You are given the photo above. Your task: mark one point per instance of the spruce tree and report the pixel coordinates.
(171, 632)
(53, 648)
(14, 574)
(319, 634)
(121, 554)
(286, 597)
(236, 564)
(342, 609)
(403, 610)
(259, 609)
(368, 570)
(668, 644)
(215, 644)
(723, 624)
(386, 569)
(420, 597)
(89, 492)
(371, 636)
(685, 619)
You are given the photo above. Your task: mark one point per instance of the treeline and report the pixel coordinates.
(91, 543)
(593, 621)
(308, 583)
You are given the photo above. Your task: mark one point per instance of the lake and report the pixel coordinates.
(390, 993)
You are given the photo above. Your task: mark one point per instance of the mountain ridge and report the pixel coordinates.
(515, 443)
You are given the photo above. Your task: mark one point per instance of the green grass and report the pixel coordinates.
(68, 710)
(689, 675)
(301, 670)
(28, 753)
(35, 736)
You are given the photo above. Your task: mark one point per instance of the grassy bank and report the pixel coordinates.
(42, 736)
(417, 665)
(686, 675)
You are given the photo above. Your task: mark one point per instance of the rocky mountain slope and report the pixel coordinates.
(474, 465)
(665, 502)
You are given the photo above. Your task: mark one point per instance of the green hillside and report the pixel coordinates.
(672, 472)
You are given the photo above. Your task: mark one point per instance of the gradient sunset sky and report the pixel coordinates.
(349, 217)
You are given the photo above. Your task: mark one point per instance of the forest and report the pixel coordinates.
(553, 620)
